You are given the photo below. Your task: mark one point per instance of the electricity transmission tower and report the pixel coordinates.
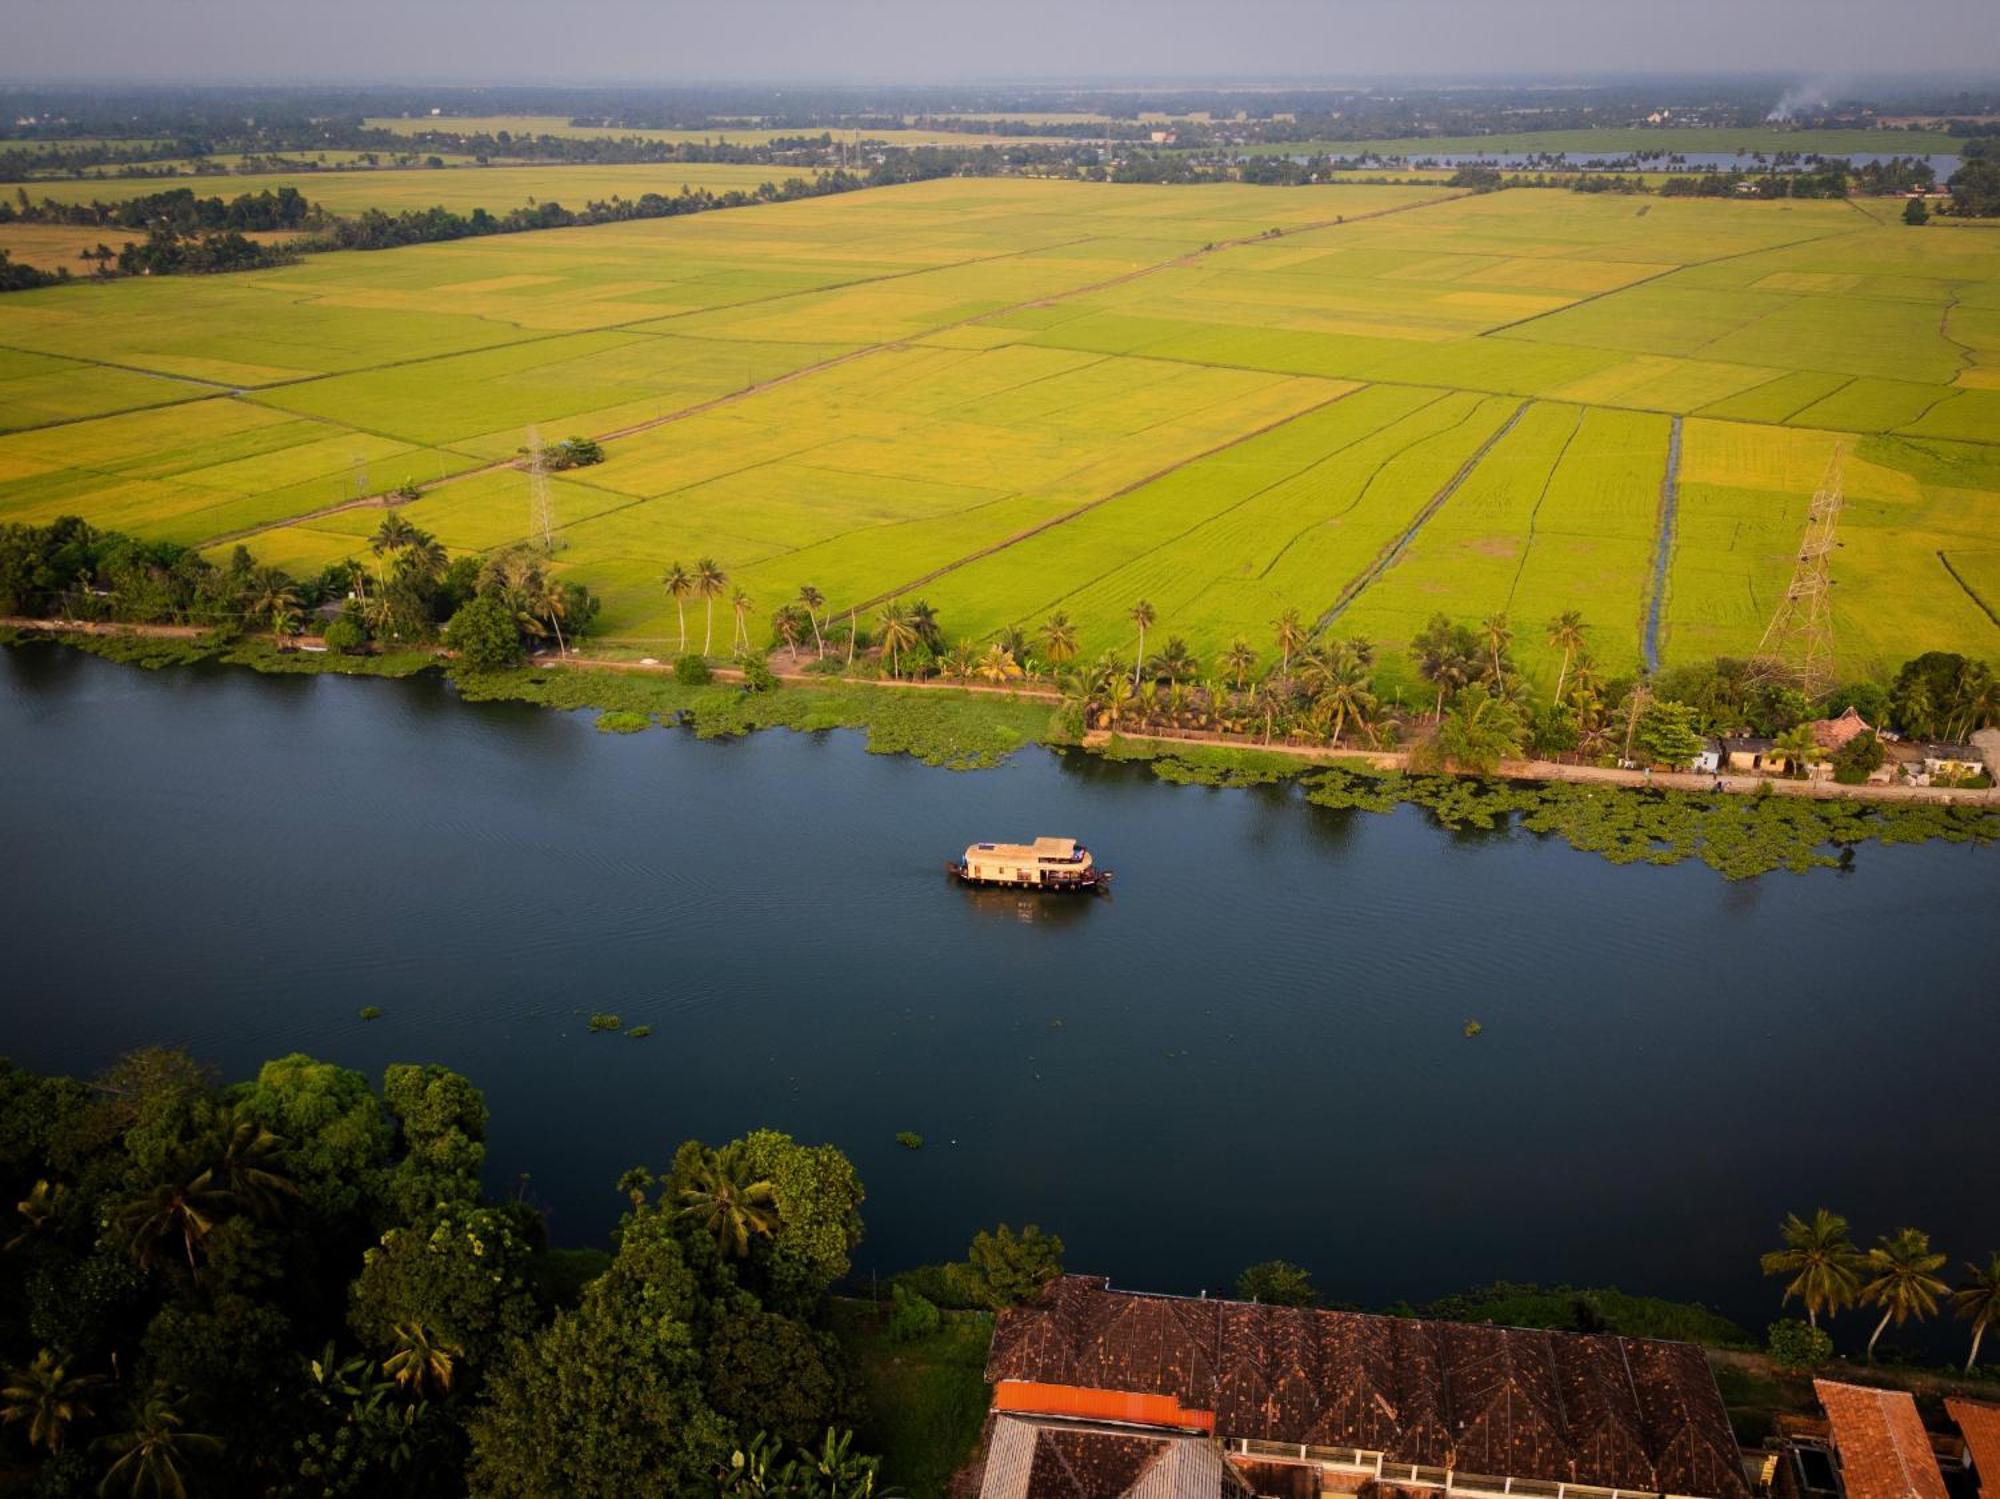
(541, 509)
(359, 474)
(1798, 642)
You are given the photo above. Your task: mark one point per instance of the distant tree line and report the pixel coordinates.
(175, 208)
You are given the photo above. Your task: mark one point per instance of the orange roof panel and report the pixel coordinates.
(1979, 1423)
(1885, 1453)
(1032, 1398)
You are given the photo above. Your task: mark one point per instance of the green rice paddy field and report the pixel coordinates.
(1012, 396)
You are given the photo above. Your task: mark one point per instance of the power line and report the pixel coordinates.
(1798, 642)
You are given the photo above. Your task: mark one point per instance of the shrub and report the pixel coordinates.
(484, 635)
(1004, 1268)
(911, 1316)
(371, 1012)
(692, 670)
(345, 634)
(1798, 1347)
(617, 722)
(640, 1032)
(757, 674)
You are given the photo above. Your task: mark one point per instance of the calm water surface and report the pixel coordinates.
(1255, 1049)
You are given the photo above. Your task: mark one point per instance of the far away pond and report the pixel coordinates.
(1256, 1049)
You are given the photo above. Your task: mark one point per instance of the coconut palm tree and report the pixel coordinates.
(423, 560)
(786, 621)
(149, 1458)
(709, 581)
(1566, 634)
(1442, 653)
(924, 620)
(1120, 697)
(1344, 694)
(38, 1210)
(392, 535)
(1479, 732)
(898, 634)
(550, 601)
(1901, 1279)
(183, 1211)
(1059, 639)
(1175, 662)
(742, 603)
(48, 1398)
(272, 596)
(1498, 635)
(421, 1362)
(960, 662)
(1274, 701)
(1801, 751)
(998, 664)
(729, 1201)
(812, 599)
(1292, 636)
(1821, 1260)
(1142, 615)
(1978, 1301)
(679, 583)
(245, 1162)
(1239, 661)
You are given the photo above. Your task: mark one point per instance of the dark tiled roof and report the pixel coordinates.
(1884, 1451)
(1597, 1409)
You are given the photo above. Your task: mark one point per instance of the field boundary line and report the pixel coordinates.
(1970, 592)
(1089, 505)
(1535, 512)
(1392, 553)
(1479, 400)
(1230, 509)
(1665, 536)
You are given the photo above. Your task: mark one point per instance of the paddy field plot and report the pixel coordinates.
(1011, 396)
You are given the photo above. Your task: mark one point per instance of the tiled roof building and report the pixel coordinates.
(1979, 1423)
(1880, 1441)
(1393, 1400)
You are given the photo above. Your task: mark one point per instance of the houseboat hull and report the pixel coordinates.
(1095, 881)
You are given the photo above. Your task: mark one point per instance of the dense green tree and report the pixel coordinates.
(724, 1193)
(1277, 1283)
(1668, 735)
(606, 1402)
(337, 1138)
(1003, 1268)
(1479, 732)
(772, 1373)
(461, 1275)
(442, 1120)
(484, 635)
(1798, 1347)
(818, 1197)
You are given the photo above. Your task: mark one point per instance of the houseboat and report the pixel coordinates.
(1045, 864)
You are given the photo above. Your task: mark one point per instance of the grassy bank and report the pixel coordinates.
(1738, 836)
(920, 1404)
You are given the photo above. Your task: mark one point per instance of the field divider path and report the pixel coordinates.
(384, 500)
(1087, 506)
(1535, 514)
(1663, 549)
(1388, 556)
(1970, 592)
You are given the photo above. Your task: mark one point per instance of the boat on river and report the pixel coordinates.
(1045, 864)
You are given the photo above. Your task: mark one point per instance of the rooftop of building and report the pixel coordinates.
(1884, 1451)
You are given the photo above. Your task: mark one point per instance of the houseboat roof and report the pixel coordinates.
(1063, 849)
(1615, 1412)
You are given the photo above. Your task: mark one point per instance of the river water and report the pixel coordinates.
(1255, 1049)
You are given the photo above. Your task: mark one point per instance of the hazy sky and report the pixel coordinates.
(573, 41)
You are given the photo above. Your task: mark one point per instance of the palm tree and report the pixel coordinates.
(245, 1159)
(812, 598)
(709, 581)
(998, 664)
(186, 1211)
(1239, 660)
(1175, 662)
(679, 583)
(1479, 732)
(48, 1397)
(1978, 1301)
(392, 535)
(38, 1210)
(1344, 694)
(729, 1201)
(1800, 750)
(272, 596)
(742, 604)
(960, 662)
(420, 1360)
(550, 600)
(1499, 634)
(1566, 634)
(1119, 694)
(1901, 1279)
(924, 620)
(423, 560)
(1142, 615)
(1440, 649)
(1274, 701)
(1059, 639)
(1291, 636)
(898, 634)
(151, 1455)
(1821, 1260)
(786, 622)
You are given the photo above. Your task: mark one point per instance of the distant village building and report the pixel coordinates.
(1100, 1394)
(1951, 762)
(1751, 754)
